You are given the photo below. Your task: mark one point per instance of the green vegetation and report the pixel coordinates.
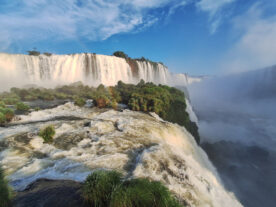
(107, 189)
(2, 104)
(168, 102)
(20, 106)
(2, 118)
(47, 54)
(5, 192)
(79, 101)
(37, 108)
(33, 52)
(9, 98)
(6, 114)
(143, 59)
(99, 186)
(120, 54)
(47, 134)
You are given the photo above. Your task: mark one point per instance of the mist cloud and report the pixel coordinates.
(256, 45)
(237, 108)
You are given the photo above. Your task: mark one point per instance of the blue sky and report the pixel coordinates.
(193, 36)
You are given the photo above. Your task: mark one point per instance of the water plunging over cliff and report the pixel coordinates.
(137, 144)
(92, 69)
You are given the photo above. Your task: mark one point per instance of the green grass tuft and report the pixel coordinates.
(107, 189)
(20, 106)
(5, 192)
(47, 134)
(79, 101)
(99, 186)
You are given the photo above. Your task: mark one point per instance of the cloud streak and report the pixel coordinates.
(214, 8)
(39, 20)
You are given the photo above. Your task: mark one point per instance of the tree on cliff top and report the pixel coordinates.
(120, 54)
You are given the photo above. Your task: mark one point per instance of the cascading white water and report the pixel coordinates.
(137, 144)
(91, 69)
(17, 70)
(183, 79)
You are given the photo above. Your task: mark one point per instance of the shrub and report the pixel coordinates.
(2, 104)
(33, 52)
(8, 113)
(142, 192)
(107, 189)
(47, 134)
(2, 118)
(30, 98)
(98, 187)
(20, 106)
(115, 94)
(79, 101)
(102, 101)
(46, 95)
(5, 193)
(11, 101)
(61, 95)
(37, 108)
(168, 102)
(114, 105)
(47, 54)
(120, 54)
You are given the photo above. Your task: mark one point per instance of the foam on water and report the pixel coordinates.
(137, 144)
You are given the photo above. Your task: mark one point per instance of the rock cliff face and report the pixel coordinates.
(54, 193)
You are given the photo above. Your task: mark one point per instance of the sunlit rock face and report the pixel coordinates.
(137, 144)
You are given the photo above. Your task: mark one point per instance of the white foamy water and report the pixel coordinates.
(18, 70)
(91, 69)
(135, 143)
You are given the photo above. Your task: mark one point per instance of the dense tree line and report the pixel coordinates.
(121, 54)
(168, 102)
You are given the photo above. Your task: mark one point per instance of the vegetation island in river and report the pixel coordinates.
(168, 102)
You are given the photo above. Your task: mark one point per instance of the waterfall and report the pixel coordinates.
(91, 69)
(134, 143)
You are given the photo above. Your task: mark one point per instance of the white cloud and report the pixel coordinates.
(214, 8)
(256, 47)
(37, 20)
(32, 21)
(176, 6)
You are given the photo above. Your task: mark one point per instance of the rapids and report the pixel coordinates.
(137, 144)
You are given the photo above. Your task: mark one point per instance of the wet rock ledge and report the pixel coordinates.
(53, 193)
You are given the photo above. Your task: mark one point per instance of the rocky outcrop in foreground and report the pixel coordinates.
(54, 193)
